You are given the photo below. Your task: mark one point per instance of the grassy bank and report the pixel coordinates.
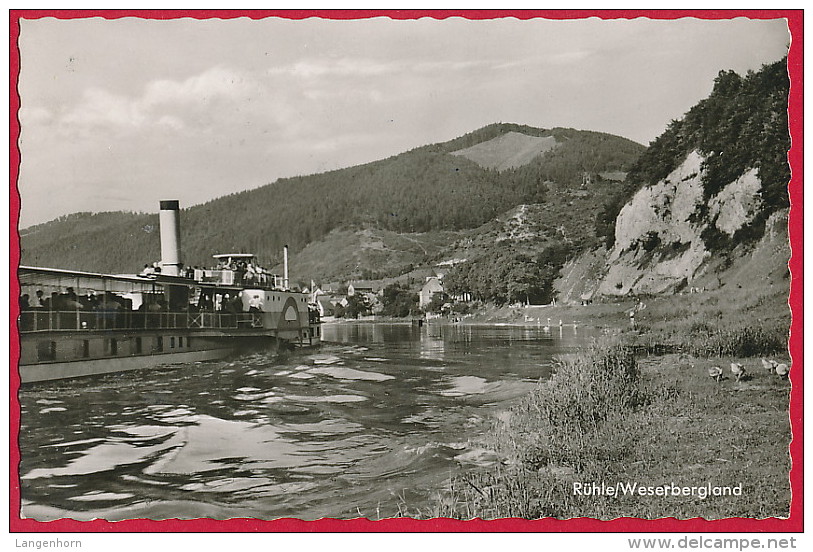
(614, 314)
(607, 417)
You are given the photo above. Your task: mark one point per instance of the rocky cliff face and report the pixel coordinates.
(659, 245)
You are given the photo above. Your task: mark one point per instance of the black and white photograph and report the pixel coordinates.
(370, 266)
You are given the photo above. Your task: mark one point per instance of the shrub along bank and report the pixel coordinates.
(606, 419)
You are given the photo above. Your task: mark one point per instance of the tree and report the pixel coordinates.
(399, 301)
(436, 303)
(357, 305)
(504, 276)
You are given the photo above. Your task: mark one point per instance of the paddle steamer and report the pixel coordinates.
(75, 324)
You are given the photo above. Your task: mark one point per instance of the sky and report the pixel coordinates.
(119, 114)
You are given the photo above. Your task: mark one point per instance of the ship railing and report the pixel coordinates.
(39, 320)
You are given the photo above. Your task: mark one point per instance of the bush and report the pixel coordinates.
(399, 301)
(563, 421)
(743, 342)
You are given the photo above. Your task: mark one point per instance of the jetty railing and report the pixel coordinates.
(39, 320)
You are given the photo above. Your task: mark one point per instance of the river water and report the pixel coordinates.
(377, 418)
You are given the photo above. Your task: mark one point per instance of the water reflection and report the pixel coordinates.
(343, 431)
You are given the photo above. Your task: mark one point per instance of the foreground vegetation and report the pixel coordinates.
(605, 417)
(615, 412)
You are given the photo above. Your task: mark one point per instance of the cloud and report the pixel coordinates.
(212, 84)
(209, 108)
(100, 108)
(196, 104)
(344, 67)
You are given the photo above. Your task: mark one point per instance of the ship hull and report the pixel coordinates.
(52, 356)
(94, 367)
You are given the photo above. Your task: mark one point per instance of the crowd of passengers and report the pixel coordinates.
(69, 310)
(69, 300)
(244, 271)
(111, 302)
(109, 308)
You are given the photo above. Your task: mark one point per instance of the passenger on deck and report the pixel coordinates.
(70, 301)
(37, 303)
(255, 304)
(73, 305)
(91, 301)
(53, 302)
(24, 305)
(205, 302)
(233, 305)
(110, 302)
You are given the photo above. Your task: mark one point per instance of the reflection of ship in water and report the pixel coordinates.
(81, 323)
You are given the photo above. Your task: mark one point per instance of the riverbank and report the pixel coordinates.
(611, 314)
(659, 422)
(611, 419)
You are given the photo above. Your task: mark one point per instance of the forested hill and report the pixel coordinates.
(709, 194)
(743, 124)
(423, 190)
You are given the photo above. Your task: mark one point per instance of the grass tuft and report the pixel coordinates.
(605, 416)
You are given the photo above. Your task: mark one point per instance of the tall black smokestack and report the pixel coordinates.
(170, 221)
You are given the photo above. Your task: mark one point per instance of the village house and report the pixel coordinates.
(432, 286)
(363, 287)
(326, 305)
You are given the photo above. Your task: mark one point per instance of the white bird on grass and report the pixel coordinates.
(769, 365)
(737, 370)
(782, 370)
(716, 372)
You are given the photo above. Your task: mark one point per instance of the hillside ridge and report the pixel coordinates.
(508, 151)
(724, 194)
(420, 191)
